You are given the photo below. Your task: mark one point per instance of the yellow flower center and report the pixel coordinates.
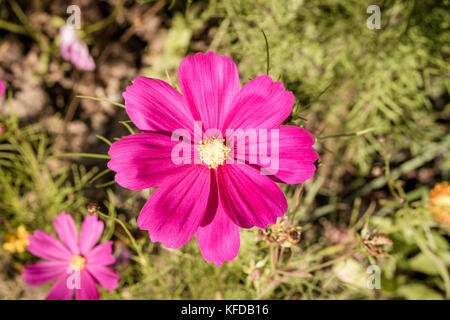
(78, 262)
(213, 152)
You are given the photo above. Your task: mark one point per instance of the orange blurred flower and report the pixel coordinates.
(439, 202)
(17, 241)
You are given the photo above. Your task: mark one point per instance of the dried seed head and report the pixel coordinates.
(294, 235)
(375, 243)
(92, 208)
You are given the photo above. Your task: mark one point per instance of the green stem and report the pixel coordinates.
(130, 236)
(439, 263)
(103, 23)
(103, 100)
(267, 52)
(83, 155)
(12, 27)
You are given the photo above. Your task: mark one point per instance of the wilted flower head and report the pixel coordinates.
(376, 243)
(221, 192)
(439, 202)
(2, 87)
(76, 264)
(73, 49)
(17, 241)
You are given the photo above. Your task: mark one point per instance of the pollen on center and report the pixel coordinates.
(77, 262)
(213, 152)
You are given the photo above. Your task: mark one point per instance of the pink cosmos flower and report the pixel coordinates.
(76, 264)
(2, 87)
(211, 199)
(73, 49)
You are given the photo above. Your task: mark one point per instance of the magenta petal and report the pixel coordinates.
(209, 83)
(90, 233)
(261, 103)
(249, 198)
(143, 160)
(296, 156)
(219, 241)
(67, 231)
(48, 247)
(101, 254)
(153, 105)
(2, 87)
(88, 290)
(177, 207)
(42, 272)
(213, 201)
(106, 277)
(59, 290)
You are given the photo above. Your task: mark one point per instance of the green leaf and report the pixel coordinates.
(418, 291)
(422, 263)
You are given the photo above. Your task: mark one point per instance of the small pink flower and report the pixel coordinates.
(74, 49)
(2, 87)
(214, 198)
(76, 264)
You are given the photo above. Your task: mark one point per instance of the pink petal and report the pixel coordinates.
(219, 241)
(88, 290)
(153, 105)
(213, 201)
(48, 247)
(67, 231)
(2, 87)
(74, 49)
(67, 36)
(249, 198)
(59, 290)
(296, 156)
(106, 277)
(80, 56)
(177, 207)
(90, 233)
(143, 160)
(101, 254)
(42, 272)
(209, 83)
(261, 103)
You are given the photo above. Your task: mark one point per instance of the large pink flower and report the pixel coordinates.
(73, 49)
(76, 264)
(212, 198)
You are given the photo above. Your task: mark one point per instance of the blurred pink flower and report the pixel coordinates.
(74, 49)
(2, 87)
(76, 264)
(214, 198)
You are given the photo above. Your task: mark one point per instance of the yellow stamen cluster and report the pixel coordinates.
(439, 202)
(213, 152)
(78, 262)
(18, 241)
